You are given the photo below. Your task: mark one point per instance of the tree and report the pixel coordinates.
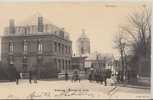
(120, 44)
(138, 34)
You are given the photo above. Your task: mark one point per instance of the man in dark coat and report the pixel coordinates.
(105, 77)
(66, 76)
(30, 76)
(17, 78)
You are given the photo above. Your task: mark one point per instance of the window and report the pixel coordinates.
(63, 48)
(55, 46)
(40, 48)
(11, 47)
(63, 65)
(69, 65)
(69, 49)
(66, 65)
(59, 47)
(59, 63)
(25, 61)
(25, 48)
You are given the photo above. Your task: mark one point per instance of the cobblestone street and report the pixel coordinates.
(68, 90)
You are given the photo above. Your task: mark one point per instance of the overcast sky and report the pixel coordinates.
(99, 20)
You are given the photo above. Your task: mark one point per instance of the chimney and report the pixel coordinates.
(40, 24)
(11, 26)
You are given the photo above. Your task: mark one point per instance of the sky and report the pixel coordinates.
(99, 20)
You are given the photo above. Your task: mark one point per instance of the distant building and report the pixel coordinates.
(33, 46)
(78, 63)
(95, 61)
(83, 45)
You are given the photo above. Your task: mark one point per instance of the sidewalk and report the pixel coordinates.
(133, 86)
(5, 81)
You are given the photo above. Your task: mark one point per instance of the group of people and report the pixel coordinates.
(120, 77)
(100, 76)
(20, 76)
(75, 76)
(105, 76)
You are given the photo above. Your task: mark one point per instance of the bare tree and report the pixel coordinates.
(138, 34)
(120, 44)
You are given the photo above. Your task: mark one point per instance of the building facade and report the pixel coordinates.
(83, 45)
(33, 46)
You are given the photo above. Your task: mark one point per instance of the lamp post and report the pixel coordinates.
(122, 57)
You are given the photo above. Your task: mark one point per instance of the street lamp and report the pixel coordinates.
(123, 42)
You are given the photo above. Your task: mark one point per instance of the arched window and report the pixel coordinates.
(59, 47)
(40, 47)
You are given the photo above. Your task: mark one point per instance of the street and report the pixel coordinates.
(66, 89)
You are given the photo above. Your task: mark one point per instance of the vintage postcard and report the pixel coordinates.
(75, 50)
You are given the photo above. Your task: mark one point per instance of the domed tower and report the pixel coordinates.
(83, 45)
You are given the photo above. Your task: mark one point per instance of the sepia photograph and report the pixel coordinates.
(75, 50)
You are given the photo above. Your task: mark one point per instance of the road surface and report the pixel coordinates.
(68, 90)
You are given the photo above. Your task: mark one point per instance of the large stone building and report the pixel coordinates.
(34, 46)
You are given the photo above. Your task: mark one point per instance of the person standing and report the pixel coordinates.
(113, 79)
(30, 76)
(66, 76)
(105, 77)
(35, 77)
(90, 77)
(17, 78)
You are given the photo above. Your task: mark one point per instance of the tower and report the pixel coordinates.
(83, 44)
